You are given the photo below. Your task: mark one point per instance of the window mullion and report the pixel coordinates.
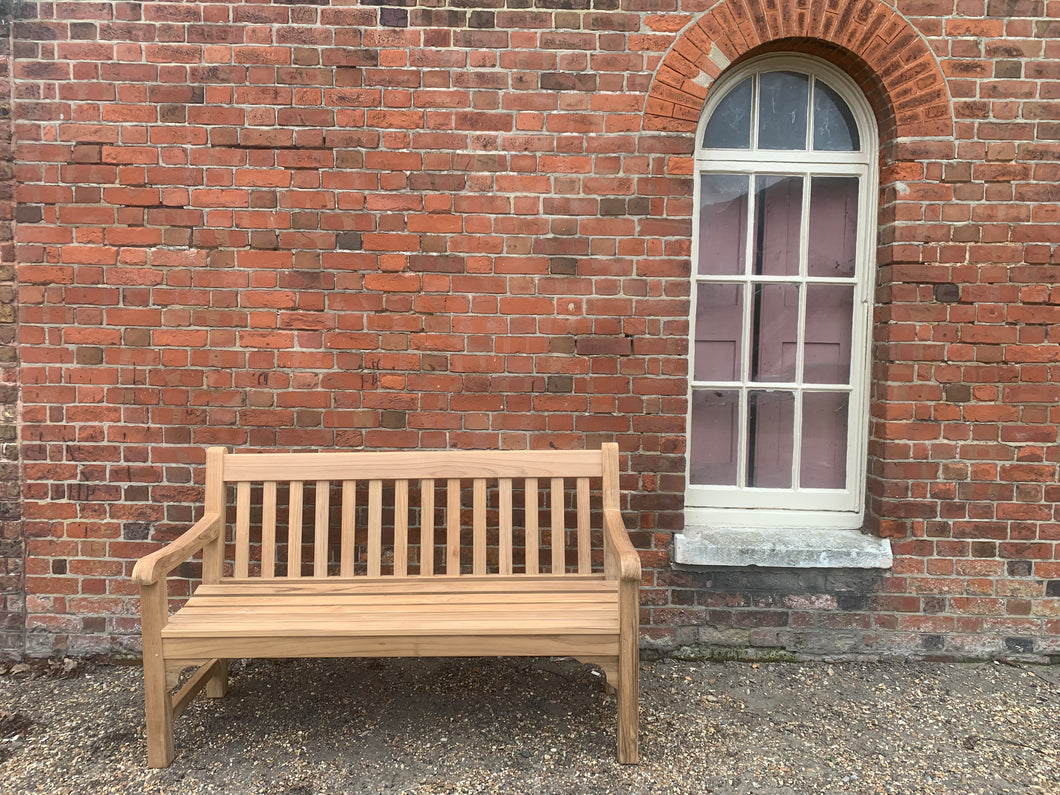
(746, 341)
(800, 345)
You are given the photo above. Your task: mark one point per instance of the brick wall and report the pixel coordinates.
(12, 619)
(467, 224)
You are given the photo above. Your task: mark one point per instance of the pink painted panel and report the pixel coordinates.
(833, 226)
(829, 327)
(778, 218)
(770, 434)
(774, 331)
(714, 439)
(825, 416)
(719, 331)
(723, 224)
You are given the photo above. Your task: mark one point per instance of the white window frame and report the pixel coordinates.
(735, 506)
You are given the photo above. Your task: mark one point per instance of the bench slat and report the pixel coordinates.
(375, 528)
(268, 530)
(415, 598)
(348, 529)
(505, 521)
(320, 529)
(478, 522)
(294, 530)
(489, 583)
(401, 528)
(242, 561)
(452, 528)
(559, 531)
(585, 561)
(326, 645)
(533, 541)
(427, 527)
(498, 619)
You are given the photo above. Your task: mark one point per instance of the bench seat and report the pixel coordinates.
(433, 616)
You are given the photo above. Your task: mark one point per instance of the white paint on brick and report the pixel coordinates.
(717, 57)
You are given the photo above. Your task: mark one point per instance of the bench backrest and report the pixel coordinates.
(414, 513)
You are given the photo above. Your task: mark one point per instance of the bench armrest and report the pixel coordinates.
(620, 546)
(150, 568)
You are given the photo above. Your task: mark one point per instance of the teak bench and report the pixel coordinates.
(407, 554)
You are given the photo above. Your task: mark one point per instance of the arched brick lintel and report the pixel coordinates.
(910, 97)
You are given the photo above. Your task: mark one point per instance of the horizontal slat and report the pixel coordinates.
(517, 583)
(467, 620)
(438, 601)
(385, 465)
(578, 646)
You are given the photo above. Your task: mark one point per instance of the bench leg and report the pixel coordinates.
(158, 701)
(217, 685)
(159, 707)
(628, 712)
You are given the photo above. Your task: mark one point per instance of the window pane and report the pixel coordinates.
(719, 331)
(824, 440)
(834, 128)
(729, 126)
(782, 106)
(829, 327)
(833, 226)
(722, 223)
(774, 331)
(770, 434)
(778, 223)
(715, 449)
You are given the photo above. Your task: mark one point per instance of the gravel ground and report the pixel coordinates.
(310, 727)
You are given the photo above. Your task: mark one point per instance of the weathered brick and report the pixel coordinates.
(292, 224)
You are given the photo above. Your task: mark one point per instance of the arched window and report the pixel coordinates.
(783, 271)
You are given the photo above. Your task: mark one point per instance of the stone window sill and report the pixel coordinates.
(781, 548)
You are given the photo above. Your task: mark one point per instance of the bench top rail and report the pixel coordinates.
(428, 514)
(388, 465)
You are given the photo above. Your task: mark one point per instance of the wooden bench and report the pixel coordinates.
(396, 554)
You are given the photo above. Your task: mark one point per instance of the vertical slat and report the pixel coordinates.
(479, 524)
(533, 542)
(242, 529)
(294, 530)
(559, 531)
(216, 497)
(505, 553)
(452, 528)
(585, 562)
(375, 528)
(401, 528)
(349, 542)
(320, 529)
(427, 527)
(268, 530)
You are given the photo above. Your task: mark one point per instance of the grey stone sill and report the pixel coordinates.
(781, 548)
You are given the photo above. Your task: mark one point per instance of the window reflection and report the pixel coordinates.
(729, 126)
(722, 224)
(834, 128)
(782, 109)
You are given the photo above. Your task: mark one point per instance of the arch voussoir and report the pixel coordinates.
(913, 86)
